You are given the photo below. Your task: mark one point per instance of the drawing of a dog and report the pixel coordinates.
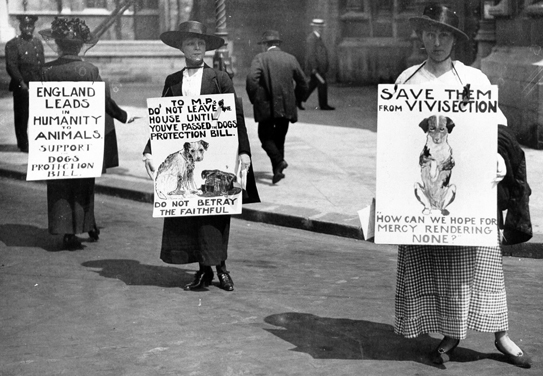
(436, 163)
(176, 174)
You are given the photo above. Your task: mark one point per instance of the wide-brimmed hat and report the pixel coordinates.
(75, 30)
(270, 36)
(441, 16)
(191, 29)
(27, 19)
(317, 22)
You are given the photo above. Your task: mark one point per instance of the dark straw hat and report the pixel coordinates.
(74, 30)
(438, 15)
(191, 29)
(270, 36)
(26, 19)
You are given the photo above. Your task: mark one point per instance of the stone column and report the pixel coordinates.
(486, 35)
(222, 60)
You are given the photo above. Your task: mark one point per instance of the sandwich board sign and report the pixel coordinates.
(194, 142)
(437, 165)
(66, 123)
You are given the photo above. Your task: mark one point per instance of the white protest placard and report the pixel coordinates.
(65, 130)
(194, 141)
(436, 165)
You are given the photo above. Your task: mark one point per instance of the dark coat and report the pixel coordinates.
(70, 202)
(24, 60)
(316, 55)
(73, 68)
(274, 84)
(204, 239)
(513, 191)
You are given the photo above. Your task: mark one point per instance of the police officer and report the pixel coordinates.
(24, 59)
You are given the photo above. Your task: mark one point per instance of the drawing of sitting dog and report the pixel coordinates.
(436, 163)
(176, 174)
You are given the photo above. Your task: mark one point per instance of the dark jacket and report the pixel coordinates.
(24, 60)
(73, 68)
(316, 55)
(513, 191)
(274, 84)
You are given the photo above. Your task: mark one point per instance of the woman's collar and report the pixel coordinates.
(71, 57)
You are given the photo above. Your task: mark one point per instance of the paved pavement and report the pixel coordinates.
(331, 156)
(305, 304)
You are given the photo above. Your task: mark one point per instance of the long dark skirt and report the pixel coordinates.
(70, 205)
(195, 239)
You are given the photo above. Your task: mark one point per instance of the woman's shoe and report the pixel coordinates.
(520, 360)
(202, 279)
(94, 234)
(225, 282)
(440, 356)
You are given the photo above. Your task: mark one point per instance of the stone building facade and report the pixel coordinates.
(370, 41)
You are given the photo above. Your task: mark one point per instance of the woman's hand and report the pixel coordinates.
(130, 118)
(149, 165)
(245, 161)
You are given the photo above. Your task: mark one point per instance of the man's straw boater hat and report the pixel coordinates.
(440, 16)
(317, 22)
(191, 29)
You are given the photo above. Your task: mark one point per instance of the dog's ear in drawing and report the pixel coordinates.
(424, 124)
(450, 124)
(205, 144)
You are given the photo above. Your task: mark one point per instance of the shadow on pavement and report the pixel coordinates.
(333, 338)
(264, 177)
(17, 235)
(132, 273)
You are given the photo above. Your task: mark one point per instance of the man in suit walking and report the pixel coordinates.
(275, 84)
(24, 60)
(316, 64)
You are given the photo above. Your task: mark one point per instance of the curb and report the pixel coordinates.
(532, 249)
(248, 214)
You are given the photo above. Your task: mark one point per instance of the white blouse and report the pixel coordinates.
(192, 81)
(460, 75)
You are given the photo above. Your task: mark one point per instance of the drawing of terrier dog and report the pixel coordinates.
(176, 174)
(436, 163)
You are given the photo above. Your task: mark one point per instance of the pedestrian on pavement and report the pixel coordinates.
(317, 64)
(275, 84)
(24, 60)
(71, 201)
(449, 289)
(202, 239)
